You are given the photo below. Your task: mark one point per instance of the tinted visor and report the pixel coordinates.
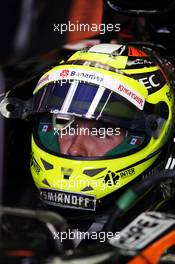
(89, 101)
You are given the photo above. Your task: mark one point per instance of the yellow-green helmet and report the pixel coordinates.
(123, 86)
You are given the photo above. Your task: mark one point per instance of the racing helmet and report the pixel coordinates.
(118, 86)
(136, 7)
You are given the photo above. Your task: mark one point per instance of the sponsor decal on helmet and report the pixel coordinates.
(149, 82)
(135, 141)
(87, 75)
(131, 95)
(106, 81)
(79, 75)
(68, 199)
(153, 81)
(113, 177)
(64, 73)
(127, 173)
(132, 51)
(46, 128)
(140, 62)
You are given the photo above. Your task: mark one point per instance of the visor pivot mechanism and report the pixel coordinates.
(12, 108)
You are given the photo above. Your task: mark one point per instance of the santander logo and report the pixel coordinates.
(64, 73)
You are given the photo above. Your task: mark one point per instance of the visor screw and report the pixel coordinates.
(10, 107)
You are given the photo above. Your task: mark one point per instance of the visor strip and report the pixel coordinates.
(68, 99)
(95, 102)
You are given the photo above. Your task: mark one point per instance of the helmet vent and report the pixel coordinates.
(47, 165)
(46, 182)
(93, 172)
(66, 177)
(66, 172)
(87, 188)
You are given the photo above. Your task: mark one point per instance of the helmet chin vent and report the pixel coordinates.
(47, 165)
(87, 188)
(66, 177)
(66, 173)
(93, 172)
(46, 182)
